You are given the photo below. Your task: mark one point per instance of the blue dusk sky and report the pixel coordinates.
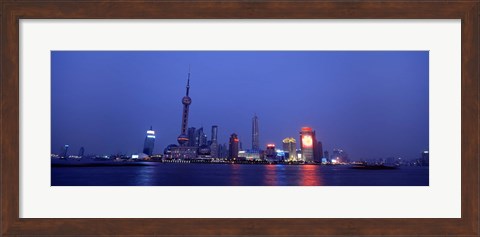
(372, 104)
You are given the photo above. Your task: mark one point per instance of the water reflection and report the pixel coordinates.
(235, 177)
(309, 175)
(270, 177)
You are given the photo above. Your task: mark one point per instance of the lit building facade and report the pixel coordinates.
(255, 134)
(308, 142)
(290, 146)
(233, 147)
(270, 153)
(149, 142)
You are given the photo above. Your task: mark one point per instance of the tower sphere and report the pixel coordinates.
(186, 100)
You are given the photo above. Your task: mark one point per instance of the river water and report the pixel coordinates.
(177, 174)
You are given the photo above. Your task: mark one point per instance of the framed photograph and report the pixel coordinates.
(240, 118)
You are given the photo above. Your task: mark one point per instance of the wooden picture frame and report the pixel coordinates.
(12, 11)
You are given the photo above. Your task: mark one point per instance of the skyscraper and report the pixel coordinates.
(290, 146)
(214, 142)
(308, 142)
(318, 152)
(200, 137)
(149, 142)
(191, 136)
(255, 135)
(233, 147)
(186, 101)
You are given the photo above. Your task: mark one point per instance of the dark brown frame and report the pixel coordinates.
(12, 11)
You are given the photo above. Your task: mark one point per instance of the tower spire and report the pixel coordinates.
(188, 80)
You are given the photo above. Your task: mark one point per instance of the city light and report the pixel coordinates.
(307, 141)
(271, 145)
(151, 132)
(150, 136)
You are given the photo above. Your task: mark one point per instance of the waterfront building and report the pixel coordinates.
(270, 153)
(81, 152)
(233, 147)
(308, 142)
(326, 155)
(290, 146)
(251, 155)
(255, 134)
(149, 142)
(214, 142)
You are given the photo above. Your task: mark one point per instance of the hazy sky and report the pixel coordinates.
(371, 104)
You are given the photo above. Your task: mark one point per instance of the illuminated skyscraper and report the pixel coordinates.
(233, 147)
(255, 135)
(149, 142)
(308, 141)
(186, 101)
(290, 146)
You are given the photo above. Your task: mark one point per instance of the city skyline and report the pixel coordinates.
(408, 61)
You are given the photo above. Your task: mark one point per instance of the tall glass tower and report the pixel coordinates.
(255, 140)
(186, 101)
(149, 142)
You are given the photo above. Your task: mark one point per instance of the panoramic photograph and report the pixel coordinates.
(239, 118)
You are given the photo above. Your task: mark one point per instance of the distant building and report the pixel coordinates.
(168, 150)
(318, 152)
(308, 142)
(149, 142)
(339, 155)
(81, 152)
(233, 147)
(214, 142)
(65, 152)
(252, 155)
(191, 136)
(200, 137)
(222, 151)
(255, 134)
(425, 158)
(290, 146)
(326, 155)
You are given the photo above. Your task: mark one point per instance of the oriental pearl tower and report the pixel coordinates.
(186, 101)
